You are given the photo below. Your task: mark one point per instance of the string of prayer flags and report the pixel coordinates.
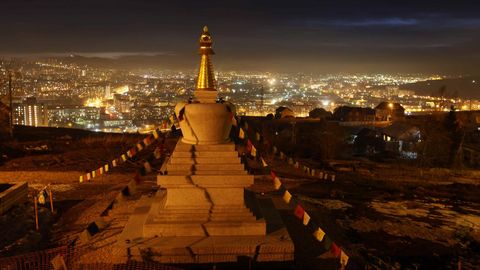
(241, 134)
(319, 234)
(306, 218)
(343, 258)
(335, 250)
(287, 196)
(277, 183)
(299, 212)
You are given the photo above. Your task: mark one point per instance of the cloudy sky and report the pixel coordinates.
(296, 35)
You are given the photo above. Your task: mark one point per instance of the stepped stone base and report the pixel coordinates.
(200, 213)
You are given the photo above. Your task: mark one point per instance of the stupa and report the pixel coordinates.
(200, 214)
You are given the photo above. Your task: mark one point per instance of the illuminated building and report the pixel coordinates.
(35, 114)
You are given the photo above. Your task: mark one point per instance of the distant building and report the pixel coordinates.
(353, 114)
(34, 113)
(284, 112)
(320, 113)
(389, 111)
(122, 103)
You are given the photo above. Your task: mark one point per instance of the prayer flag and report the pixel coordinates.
(277, 183)
(100, 170)
(290, 161)
(297, 165)
(81, 179)
(333, 178)
(88, 176)
(299, 212)
(264, 164)
(155, 134)
(343, 258)
(326, 176)
(327, 242)
(287, 196)
(320, 174)
(282, 155)
(93, 174)
(273, 175)
(114, 163)
(249, 146)
(312, 172)
(254, 151)
(147, 166)
(335, 250)
(124, 158)
(319, 234)
(105, 168)
(241, 134)
(306, 218)
(139, 146)
(257, 136)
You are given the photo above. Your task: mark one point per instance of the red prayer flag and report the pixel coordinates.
(273, 175)
(299, 211)
(249, 146)
(335, 250)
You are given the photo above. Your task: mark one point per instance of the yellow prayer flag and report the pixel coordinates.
(81, 179)
(306, 218)
(124, 157)
(277, 183)
(264, 163)
(155, 134)
(139, 146)
(319, 234)
(241, 134)
(100, 170)
(93, 174)
(105, 168)
(287, 196)
(254, 151)
(343, 258)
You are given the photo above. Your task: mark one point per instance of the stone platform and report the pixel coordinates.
(200, 213)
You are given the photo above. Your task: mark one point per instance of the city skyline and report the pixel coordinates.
(329, 37)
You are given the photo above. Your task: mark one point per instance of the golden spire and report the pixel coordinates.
(206, 79)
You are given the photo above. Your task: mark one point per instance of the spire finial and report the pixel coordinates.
(206, 79)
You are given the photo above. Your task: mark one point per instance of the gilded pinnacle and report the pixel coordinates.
(206, 79)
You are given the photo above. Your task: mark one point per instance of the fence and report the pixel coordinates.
(67, 257)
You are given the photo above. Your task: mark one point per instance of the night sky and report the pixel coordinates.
(305, 36)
